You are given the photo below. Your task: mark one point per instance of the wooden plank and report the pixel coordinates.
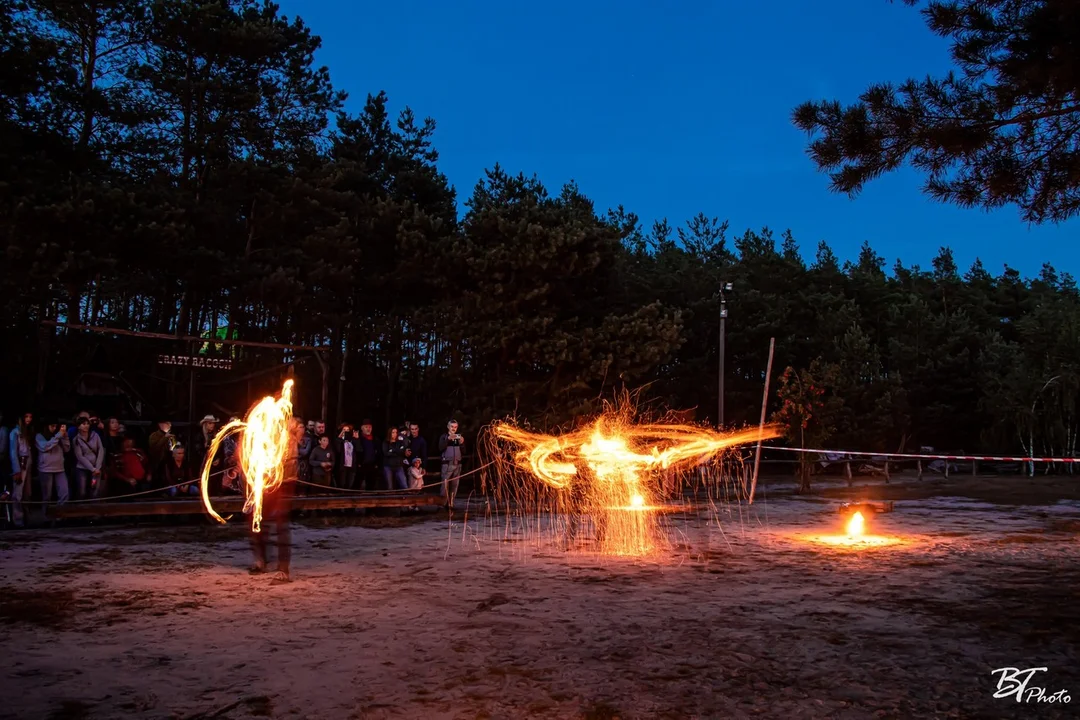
(181, 338)
(871, 507)
(233, 505)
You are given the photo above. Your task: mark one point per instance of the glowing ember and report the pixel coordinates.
(855, 526)
(607, 471)
(262, 450)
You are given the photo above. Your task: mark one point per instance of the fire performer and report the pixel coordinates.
(268, 460)
(277, 504)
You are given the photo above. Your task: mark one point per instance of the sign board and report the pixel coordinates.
(196, 361)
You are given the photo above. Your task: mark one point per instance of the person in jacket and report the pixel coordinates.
(232, 480)
(321, 461)
(450, 445)
(306, 444)
(89, 459)
(20, 446)
(160, 444)
(417, 446)
(133, 469)
(369, 457)
(202, 443)
(51, 447)
(345, 450)
(114, 437)
(5, 458)
(176, 475)
(393, 457)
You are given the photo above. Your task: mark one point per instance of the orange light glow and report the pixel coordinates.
(607, 471)
(855, 526)
(263, 448)
(855, 536)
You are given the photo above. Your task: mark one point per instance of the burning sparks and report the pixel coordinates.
(262, 450)
(607, 471)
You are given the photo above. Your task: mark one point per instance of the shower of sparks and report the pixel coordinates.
(265, 436)
(608, 471)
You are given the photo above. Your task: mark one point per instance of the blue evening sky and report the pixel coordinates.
(670, 109)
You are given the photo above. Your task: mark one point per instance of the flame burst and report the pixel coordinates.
(855, 526)
(608, 471)
(266, 436)
(855, 536)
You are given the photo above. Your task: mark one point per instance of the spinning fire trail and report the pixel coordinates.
(608, 471)
(264, 444)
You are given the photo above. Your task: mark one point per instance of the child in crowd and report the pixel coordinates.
(416, 475)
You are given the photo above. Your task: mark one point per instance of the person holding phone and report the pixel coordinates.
(346, 457)
(450, 445)
(52, 445)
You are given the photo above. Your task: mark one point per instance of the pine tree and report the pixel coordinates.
(1003, 129)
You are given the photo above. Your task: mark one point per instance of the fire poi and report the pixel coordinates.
(609, 471)
(264, 443)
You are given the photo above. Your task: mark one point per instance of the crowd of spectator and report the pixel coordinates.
(98, 458)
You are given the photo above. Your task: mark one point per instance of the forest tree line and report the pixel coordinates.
(185, 167)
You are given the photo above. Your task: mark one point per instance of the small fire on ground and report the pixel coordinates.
(855, 536)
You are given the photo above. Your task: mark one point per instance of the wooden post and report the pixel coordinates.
(339, 411)
(847, 471)
(918, 464)
(325, 366)
(191, 400)
(887, 470)
(764, 404)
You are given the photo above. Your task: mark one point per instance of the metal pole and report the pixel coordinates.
(720, 414)
(764, 404)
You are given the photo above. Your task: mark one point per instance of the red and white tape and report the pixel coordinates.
(915, 456)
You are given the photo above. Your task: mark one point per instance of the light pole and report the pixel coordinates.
(720, 372)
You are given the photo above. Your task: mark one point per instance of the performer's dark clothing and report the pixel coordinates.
(276, 508)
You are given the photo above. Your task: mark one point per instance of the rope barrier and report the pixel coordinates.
(158, 491)
(154, 491)
(396, 492)
(919, 456)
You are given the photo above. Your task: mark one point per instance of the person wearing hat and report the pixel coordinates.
(161, 444)
(201, 446)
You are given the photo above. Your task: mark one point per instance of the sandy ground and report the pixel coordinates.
(746, 617)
